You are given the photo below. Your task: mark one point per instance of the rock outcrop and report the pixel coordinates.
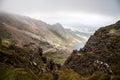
(29, 63)
(101, 53)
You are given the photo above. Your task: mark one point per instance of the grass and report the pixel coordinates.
(99, 76)
(3, 32)
(6, 72)
(6, 42)
(62, 74)
(57, 57)
(116, 66)
(112, 31)
(115, 37)
(46, 76)
(24, 74)
(6, 51)
(68, 74)
(38, 61)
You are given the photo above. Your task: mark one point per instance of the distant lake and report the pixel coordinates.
(77, 46)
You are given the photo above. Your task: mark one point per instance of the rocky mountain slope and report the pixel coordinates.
(100, 58)
(23, 30)
(28, 63)
(25, 43)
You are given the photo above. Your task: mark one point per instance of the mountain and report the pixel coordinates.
(24, 30)
(83, 34)
(27, 46)
(28, 63)
(82, 31)
(33, 50)
(100, 57)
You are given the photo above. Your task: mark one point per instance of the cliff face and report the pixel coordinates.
(100, 54)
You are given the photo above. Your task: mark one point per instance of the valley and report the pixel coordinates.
(23, 31)
(31, 49)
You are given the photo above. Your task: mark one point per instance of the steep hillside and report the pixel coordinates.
(28, 63)
(24, 29)
(100, 58)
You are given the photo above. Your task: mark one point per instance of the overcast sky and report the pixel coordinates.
(94, 13)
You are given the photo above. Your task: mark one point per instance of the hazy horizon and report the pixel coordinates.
(94, 13)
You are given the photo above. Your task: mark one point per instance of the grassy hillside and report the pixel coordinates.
(28, 64)
(25, 31)
(22, 27)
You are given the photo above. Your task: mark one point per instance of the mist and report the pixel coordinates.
(93, 13)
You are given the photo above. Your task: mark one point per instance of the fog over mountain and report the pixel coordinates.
(59, 39)
(93, 13)
(82, 17)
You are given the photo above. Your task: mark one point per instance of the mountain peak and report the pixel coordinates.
(57, 24)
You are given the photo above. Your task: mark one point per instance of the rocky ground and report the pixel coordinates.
(100, 58)
(28, 63)
(30, 59)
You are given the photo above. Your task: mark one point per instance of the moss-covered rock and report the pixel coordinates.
(101, 53)
(23, 64)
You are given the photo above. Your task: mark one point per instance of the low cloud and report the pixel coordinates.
(68, 12)
(68, 18)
